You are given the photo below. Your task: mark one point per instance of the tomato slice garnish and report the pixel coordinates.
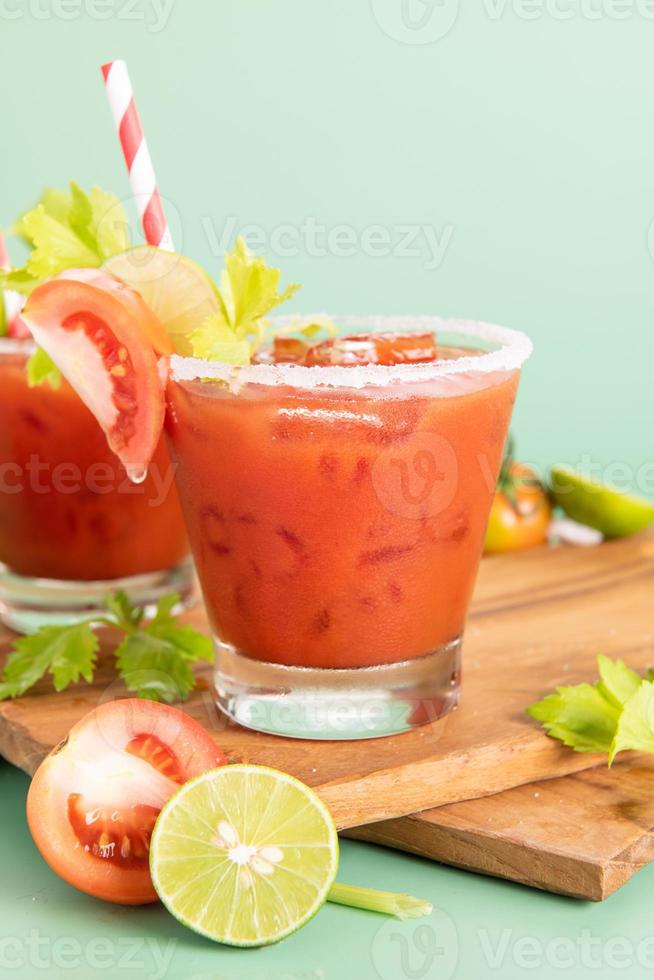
(93, 802)
(106, 341)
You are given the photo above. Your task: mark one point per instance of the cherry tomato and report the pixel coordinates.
(93, 802)
(520, 512)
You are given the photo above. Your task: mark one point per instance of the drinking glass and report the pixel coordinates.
(72, 526)
(337, 517)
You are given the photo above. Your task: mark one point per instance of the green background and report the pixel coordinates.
(523, 138)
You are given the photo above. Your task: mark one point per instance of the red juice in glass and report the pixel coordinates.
(337, 515)
(72, 526)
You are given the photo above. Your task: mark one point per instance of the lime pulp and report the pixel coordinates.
(177, 290)
(244, 854)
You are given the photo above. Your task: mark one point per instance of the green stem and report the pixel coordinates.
(390, 903)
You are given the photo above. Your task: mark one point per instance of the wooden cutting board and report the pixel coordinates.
(538, 620)
(583, 835)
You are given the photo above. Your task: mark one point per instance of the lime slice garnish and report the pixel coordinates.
(177, 290)
(244, 854)
(609, 510)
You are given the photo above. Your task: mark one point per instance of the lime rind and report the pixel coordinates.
(613, 512)
(244, 855)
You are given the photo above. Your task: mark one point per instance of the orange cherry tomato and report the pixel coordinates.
(520, 513)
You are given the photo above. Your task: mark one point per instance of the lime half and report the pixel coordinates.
(609, 510)
(244, 854)
(177, 290)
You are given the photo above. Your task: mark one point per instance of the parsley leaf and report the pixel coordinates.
(248, 291)
(155, 661)
(126, 616)
(66, 652)
(154, 658)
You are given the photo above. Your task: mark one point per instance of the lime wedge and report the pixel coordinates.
(177, 290)
(244, 854)
(609, 510)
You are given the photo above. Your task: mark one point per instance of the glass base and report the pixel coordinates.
(27, 603)
(336, 704)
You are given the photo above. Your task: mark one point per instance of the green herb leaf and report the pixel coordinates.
(618, 682)
(152, 668)
(214, 340)
(127, 616)
(154, 658)
(155, 661)
(635, 728)
(41, 368)
(66, 652)
(68, 229)
(249, 290)
(578, 716)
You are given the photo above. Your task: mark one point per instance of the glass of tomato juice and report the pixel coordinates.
(73, 527)
(337, 514)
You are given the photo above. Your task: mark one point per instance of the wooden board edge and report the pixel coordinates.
(491, 855)
(432, 783)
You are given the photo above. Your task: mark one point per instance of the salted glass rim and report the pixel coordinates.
(513, 350)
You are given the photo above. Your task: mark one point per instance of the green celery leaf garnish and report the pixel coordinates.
(617, 681)
(578, 716)
(613, 715)
(4, 326)
(41, 368)
(66, 652)
(155, 661)
(248, 291)
(154, 658)
(213, 340)
(635, 729)
(68, 229)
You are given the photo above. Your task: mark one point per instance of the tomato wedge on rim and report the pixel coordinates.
(93, 801)
(105, 340)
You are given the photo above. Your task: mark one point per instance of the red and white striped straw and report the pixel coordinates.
(141, 174)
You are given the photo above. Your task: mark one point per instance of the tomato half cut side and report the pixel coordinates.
(94, 800)
(100, 335)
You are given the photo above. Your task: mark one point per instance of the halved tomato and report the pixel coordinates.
(93, 801)
(105, 340)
